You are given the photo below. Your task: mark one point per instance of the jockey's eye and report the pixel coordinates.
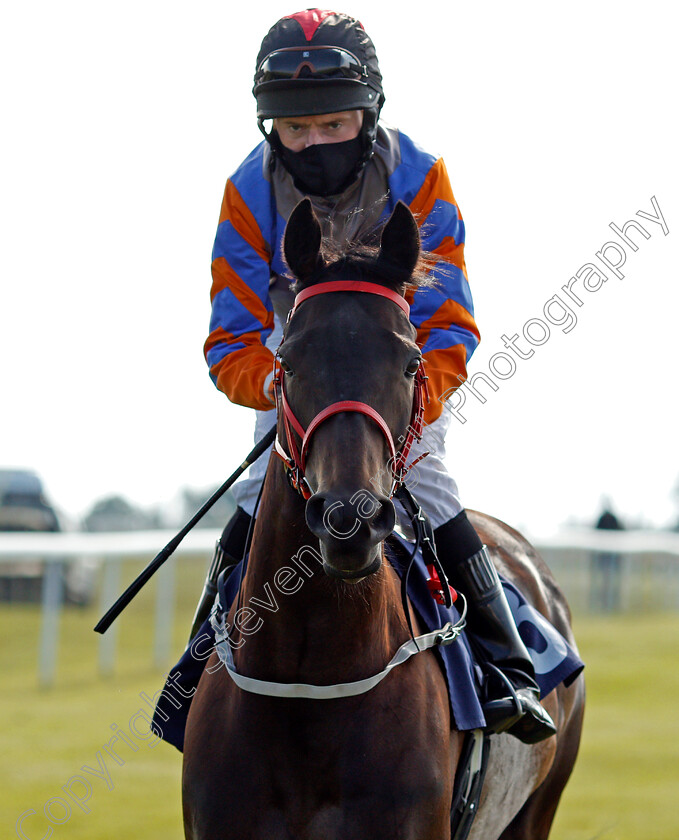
(413, 367)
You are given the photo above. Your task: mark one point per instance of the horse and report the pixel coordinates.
(381, 763)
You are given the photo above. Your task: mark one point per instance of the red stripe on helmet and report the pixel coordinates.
(310, 20)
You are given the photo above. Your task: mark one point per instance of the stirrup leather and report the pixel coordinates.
(513, 697)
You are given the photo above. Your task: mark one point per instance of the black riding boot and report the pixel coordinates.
(229, 550)
(512, 701)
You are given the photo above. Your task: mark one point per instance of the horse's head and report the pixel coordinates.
(350, 370)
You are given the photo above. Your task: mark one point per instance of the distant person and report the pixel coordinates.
(318, 80)
(608, 521)
(606, 567)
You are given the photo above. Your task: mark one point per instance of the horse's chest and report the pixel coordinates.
(309, 773)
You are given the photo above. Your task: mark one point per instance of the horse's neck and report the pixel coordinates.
(305, 626)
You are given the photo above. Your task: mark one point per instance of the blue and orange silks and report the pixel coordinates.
(247, 254)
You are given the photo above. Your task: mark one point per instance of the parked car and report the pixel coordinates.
(24, 507)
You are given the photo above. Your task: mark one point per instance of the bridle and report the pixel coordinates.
(294, 467)
(295, 462)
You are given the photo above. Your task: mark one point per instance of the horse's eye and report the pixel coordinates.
(285, 367)
(413, 367)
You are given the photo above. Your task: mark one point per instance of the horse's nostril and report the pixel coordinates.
(315, 508)
(343, 519)
(382, 523)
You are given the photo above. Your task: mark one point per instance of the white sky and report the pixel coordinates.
(122, 122)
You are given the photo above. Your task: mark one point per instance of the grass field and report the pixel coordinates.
(623, 788)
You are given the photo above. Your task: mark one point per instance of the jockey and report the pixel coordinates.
(318, 80)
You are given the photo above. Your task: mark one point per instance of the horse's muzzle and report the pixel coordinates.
(358, 574)
(351, 530)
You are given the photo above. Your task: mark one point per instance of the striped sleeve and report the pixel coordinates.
(242, 314)
(444, 315)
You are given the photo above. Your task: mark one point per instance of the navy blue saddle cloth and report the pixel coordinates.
(554, 659)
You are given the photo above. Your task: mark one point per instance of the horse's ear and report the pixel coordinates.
(302, 241)
(400, 243)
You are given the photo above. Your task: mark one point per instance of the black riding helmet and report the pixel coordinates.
(318, 62)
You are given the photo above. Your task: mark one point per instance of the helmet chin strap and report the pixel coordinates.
(369, 131)
(260, 126)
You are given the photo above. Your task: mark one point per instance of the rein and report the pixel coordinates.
(295, 461)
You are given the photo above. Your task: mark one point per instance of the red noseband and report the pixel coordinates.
(296, 460)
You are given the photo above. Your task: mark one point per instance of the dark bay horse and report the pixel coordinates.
(379, 764)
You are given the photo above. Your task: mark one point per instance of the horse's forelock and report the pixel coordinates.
(359, 261)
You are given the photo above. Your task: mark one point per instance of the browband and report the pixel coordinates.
(351, 286)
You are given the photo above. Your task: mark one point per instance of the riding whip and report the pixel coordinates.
(162, 556)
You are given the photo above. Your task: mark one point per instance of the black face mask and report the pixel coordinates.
(324, 169)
